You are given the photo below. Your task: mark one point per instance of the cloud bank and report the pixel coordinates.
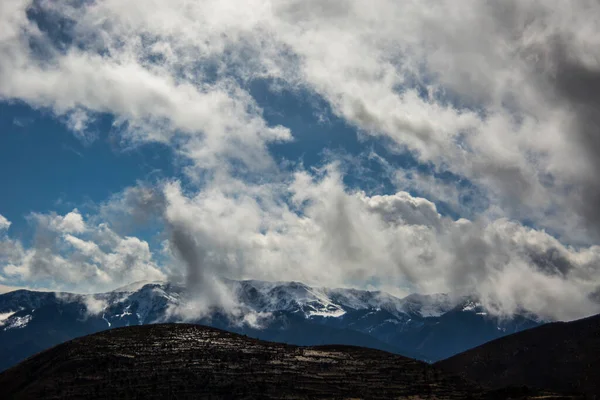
(501, 96)
(69, 253)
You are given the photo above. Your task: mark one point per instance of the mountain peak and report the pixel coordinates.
(135, 286)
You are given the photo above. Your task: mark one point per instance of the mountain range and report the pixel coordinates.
(425, 327)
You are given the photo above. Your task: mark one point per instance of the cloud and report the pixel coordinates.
(77, 121)
(311, 229)
(329, 236)
(4, 223)
(70, 223)
(134, 207)
(94, 304)
(496, 109)
(508, 111)
(206, 122)
(69, 254)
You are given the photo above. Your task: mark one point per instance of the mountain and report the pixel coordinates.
(426, 327)
(191, 361)
(560, 356)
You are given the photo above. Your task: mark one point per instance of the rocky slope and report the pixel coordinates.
(561, 357)
(190, 361)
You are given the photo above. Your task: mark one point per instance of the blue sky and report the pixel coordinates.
(48, 168)
(313, 141)
(44, 167)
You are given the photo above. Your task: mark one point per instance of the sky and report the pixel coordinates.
(416, 146)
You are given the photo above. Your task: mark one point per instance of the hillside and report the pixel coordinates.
(190, 361)
(561, 356)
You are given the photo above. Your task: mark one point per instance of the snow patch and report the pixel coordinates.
(125, 312)
(107, 321)
(18, 322)
(471, 305)
(326, 313)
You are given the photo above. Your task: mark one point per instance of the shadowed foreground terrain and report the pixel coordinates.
(561, 357)
(191, 361)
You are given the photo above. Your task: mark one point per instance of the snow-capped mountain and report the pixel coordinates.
(327, 302)
(429, 327)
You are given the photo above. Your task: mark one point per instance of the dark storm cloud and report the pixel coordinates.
(187, 249)
(578, 86)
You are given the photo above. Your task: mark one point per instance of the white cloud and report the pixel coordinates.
(94, 305)
(68, 254)
(329, 236)
(316, 231)
(205, 121)
(487, 107)
(509, 109)
(4, 223)
(70, 223)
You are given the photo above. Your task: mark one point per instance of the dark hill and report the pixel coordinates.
(561, 357)
(190, 361)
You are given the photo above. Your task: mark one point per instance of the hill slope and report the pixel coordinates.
(191, 361)
(561, 356)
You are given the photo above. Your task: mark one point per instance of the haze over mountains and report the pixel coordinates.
(426, 327)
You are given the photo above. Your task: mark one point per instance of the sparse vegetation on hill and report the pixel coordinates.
(190, 361)
(561, 357)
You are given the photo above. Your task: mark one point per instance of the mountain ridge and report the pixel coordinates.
(426, 327)
(558, 356)
(192, 361)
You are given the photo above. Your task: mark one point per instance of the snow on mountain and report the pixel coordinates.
(474, 306)
(24, 299)
(146, 301)
(139, 303)
(17, 322)
(362, 299)
(261, 296)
